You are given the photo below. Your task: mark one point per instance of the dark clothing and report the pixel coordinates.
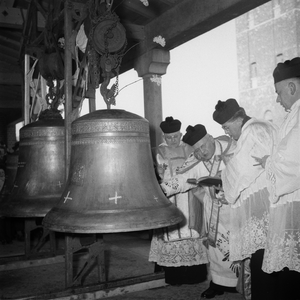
(280, 285)
(221, 288)
(185, 275)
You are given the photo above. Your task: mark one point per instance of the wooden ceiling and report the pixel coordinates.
(178, 21)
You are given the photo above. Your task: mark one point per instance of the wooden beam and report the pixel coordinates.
(6, 50)
(139, 8)
(7, 68)
(10, 93)
(40, 9)
(20, 262)
(9, 42)
(191, 18)
(12, 17)
(11, 104)
(9, 59)
(107, 289)
(10, 74)
(12, 35)
(187, 20)
(9, 15)
(68, 83)
(41, 36)
(133, 31)
(169, 2)
(10, 78)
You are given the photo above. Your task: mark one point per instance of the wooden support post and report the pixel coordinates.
(26, 102)
(151, 66)
(33, 251)
(29, 225)
(95, 248)
(68, 83)
(91, 95)
(68, 260)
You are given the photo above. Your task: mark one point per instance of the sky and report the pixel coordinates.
(201, 72)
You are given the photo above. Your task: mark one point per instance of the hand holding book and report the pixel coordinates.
(211, 181)
(206, 181)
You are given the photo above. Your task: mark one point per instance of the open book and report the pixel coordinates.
(206, 181)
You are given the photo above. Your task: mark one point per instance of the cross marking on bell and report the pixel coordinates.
(67, 197)
(116, 197)
(59, 184)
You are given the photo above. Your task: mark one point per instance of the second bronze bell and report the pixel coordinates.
(112, 185)
(40, 176)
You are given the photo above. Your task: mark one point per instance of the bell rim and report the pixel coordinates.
(167, 216)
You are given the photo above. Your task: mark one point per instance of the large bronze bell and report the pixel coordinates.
(112, 185)
(40, 176)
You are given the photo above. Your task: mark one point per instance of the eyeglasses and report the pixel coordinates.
(172, 137)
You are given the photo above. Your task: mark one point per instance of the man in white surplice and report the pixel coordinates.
(282, 253)
(178, 248)
(208, 159)
(245, 188)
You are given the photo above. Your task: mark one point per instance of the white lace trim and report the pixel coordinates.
(250, 238)
(187, 252)
(172, 186)
(283, 252)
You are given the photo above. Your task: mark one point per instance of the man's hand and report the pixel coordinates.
(163, 189)
(161, 170)
(220, 195)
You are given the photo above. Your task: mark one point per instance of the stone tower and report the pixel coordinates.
(266, 36)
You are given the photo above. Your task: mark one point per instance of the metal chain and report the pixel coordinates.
(108, 31)
(96, 18)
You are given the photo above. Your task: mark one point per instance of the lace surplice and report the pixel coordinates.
(283, 172)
